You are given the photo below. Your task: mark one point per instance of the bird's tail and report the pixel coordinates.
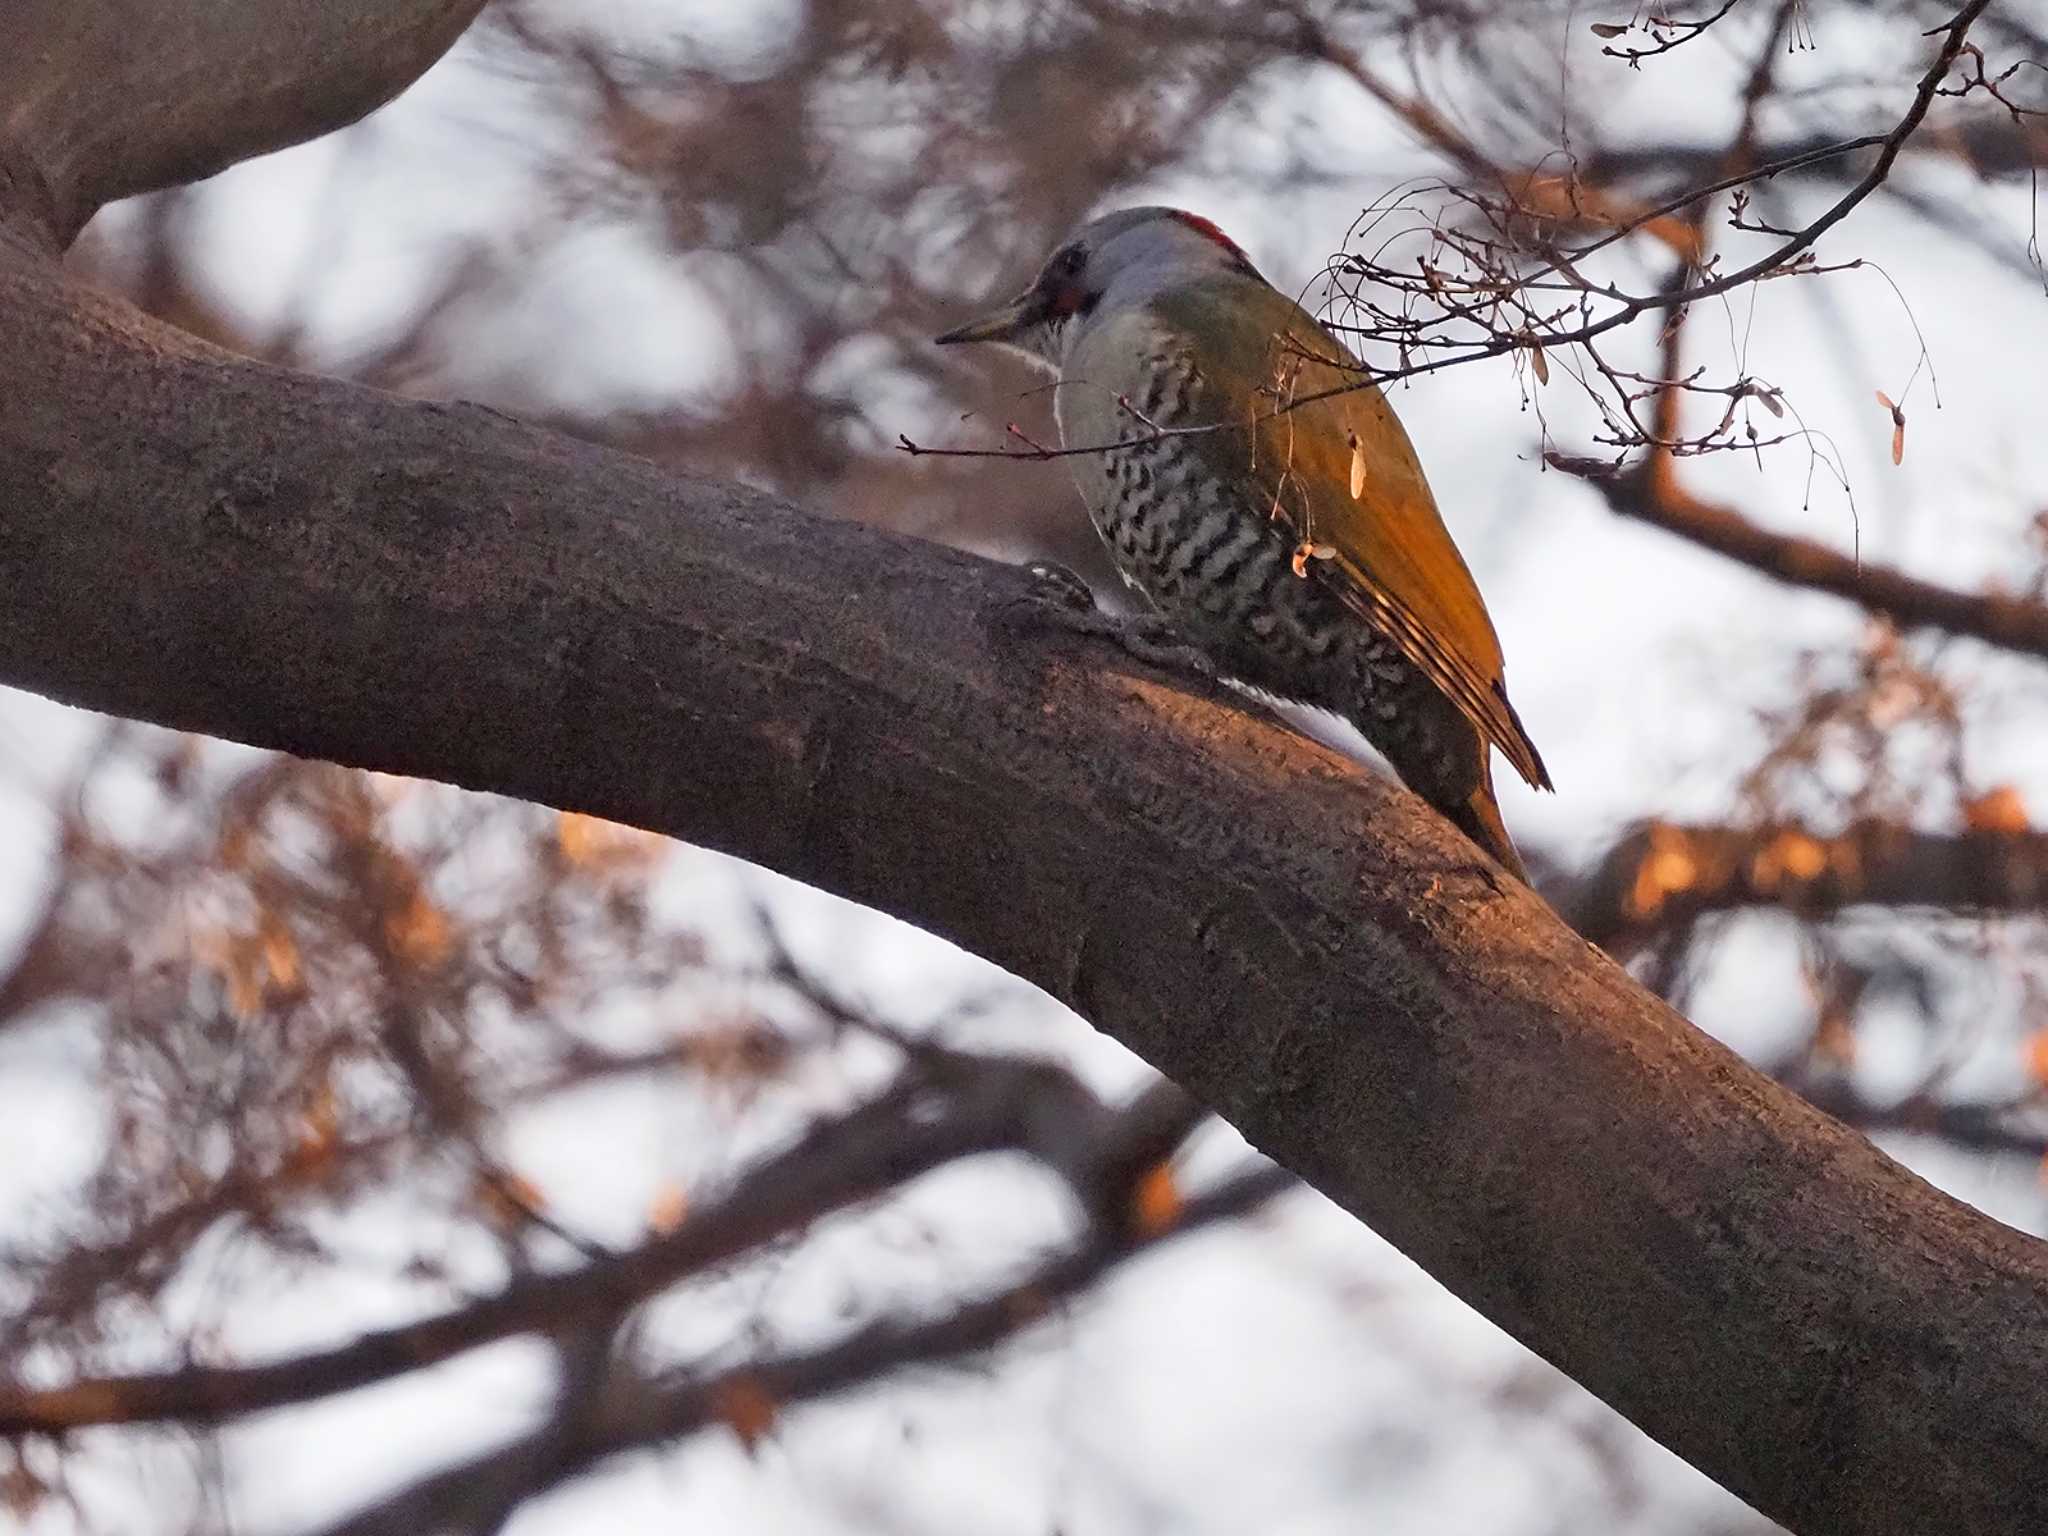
(1479, 819)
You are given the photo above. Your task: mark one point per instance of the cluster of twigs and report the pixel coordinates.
(1502, 271)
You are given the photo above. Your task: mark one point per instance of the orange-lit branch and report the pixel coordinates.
(1661, 876)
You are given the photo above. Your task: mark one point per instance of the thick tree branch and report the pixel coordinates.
(1661, 876)
(226, 547)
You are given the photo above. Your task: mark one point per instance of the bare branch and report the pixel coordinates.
(1666, 33)
(928, 1119)
(1791, 255)
(648, 1413)
(1496, 301)
(1662, 876)
(1652, 494)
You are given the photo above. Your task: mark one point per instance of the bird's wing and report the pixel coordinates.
(1343, 478)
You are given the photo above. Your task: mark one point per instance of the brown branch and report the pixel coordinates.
(431, 590)
(1677, 32)
(1955, 38)
(2017, 1128)
(1660, 876)
(1653, 494)
(654, 1414)
(976, 1105)
(1987, 144)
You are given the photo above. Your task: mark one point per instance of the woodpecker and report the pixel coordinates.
(1270, 511)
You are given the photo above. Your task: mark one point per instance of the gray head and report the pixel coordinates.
(1121, 258)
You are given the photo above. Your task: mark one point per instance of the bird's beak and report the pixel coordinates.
(998, 325)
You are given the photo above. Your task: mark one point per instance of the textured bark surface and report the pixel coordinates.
(301, 564)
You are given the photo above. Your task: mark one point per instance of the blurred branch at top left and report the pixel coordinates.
(89, 123)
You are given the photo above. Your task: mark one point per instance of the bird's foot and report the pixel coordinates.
(1061, 586)
(1152, 640)
(1064, 600)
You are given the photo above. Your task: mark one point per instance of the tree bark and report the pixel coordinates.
(217, 545)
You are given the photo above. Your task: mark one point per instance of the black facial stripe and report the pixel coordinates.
(1068, 297)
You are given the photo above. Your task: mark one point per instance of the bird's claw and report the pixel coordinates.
(1150, 639)
(1061, 587)
(1066, 602)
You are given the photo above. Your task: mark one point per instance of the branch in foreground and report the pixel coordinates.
(1661, 876)
(437, 591)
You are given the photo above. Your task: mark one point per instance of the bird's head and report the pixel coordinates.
(1121, 258)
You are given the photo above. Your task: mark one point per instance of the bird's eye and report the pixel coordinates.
(1069, 262)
